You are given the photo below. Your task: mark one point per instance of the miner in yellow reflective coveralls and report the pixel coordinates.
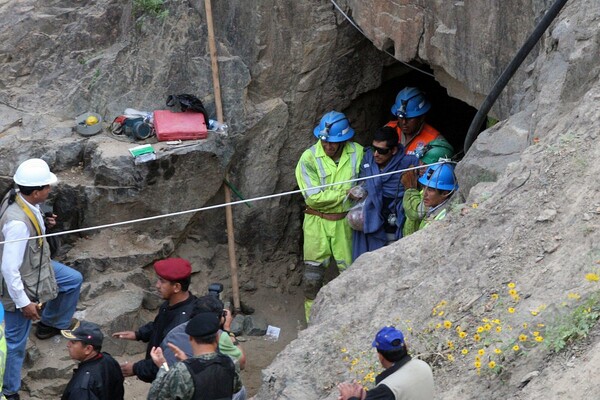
(334, 158)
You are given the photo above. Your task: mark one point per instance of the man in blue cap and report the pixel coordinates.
(404, 377)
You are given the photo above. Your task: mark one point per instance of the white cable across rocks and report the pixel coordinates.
(233, 203)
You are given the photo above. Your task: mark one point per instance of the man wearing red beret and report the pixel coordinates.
(174, 276)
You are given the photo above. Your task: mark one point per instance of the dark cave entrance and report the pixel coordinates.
(451, 116)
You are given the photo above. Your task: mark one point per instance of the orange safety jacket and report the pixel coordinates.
(428, 133)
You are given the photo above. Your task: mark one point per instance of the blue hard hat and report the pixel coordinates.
(440, 176)
(410, 103)
(334, 127)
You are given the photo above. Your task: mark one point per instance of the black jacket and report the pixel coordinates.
(154, 332)
(96, 379)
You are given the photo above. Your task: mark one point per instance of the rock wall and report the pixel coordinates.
(536, 227)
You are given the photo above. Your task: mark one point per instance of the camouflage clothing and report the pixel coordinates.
(178, 384)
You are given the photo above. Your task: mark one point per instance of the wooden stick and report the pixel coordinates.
(218, 104)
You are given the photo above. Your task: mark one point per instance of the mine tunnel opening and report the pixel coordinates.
(449, 115)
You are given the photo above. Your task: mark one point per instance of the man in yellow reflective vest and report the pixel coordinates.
(327, 235)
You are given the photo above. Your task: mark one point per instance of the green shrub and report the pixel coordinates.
(575, 325)
(153, 8)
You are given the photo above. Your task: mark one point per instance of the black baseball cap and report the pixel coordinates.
(204, 324)
(86, 332)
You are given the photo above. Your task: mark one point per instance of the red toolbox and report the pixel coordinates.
(179, 125)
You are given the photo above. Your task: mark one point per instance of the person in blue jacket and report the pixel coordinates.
(382, 210)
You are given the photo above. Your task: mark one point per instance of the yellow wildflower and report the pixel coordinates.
(512, 292)
(522, 338)
(573, 296)
(494, 296)
(481, 352)
(464, 351)
(441, 313)
(476, 337)
(447, 324)
(344, 350)
(485, 320)
(497, 351)
(477, 364)
(462, 334)
(592, 277)
(450, 358)
(487, 327)
(442, 303)
(540, 325)
(536, 333)
(477, 358)
(354, 361)
(511, 285)
(479, 329)
(525, 325)
(511, 310)
(346, 359)
(539, 339)
(516, 347)
(450, 344)
(534, 312)
(498, 329)
(492, 364)
(496, 321)
(474, 205)
(438, 326)
(458, 329)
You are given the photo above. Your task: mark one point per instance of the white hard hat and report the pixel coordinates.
(34, 172)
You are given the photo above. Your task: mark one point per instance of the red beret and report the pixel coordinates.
(173, 269)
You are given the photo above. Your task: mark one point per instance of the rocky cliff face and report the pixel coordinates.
(282, 65)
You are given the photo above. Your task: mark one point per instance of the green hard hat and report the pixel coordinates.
(436, 149)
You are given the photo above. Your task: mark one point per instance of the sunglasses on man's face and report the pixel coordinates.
(380, 151)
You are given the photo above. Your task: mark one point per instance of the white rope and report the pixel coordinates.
(233, 203)
(369, 39)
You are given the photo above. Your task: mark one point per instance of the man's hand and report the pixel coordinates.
(127, 335)
(349, 390)
(179, 354)
(228, 320)
(409, 179)
(357, 193)
(31, 311)
(157, 356)
(127, 369)
(50, 220)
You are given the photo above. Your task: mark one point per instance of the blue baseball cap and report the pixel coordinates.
(389, 339)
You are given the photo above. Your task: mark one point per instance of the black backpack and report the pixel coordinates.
(187, 102)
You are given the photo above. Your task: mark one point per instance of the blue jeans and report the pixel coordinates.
(57, 313)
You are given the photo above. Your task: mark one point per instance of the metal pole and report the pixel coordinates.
(219, 107)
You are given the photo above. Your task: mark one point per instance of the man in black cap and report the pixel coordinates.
(404, 377)
(174, 278)
(98, 376)
(208, 375)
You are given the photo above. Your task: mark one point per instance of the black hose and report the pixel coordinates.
(510, 71)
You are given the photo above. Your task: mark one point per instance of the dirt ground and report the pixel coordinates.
(281, 310)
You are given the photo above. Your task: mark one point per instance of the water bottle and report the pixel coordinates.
(217, 127)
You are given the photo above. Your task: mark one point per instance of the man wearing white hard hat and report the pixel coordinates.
(33, 287)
